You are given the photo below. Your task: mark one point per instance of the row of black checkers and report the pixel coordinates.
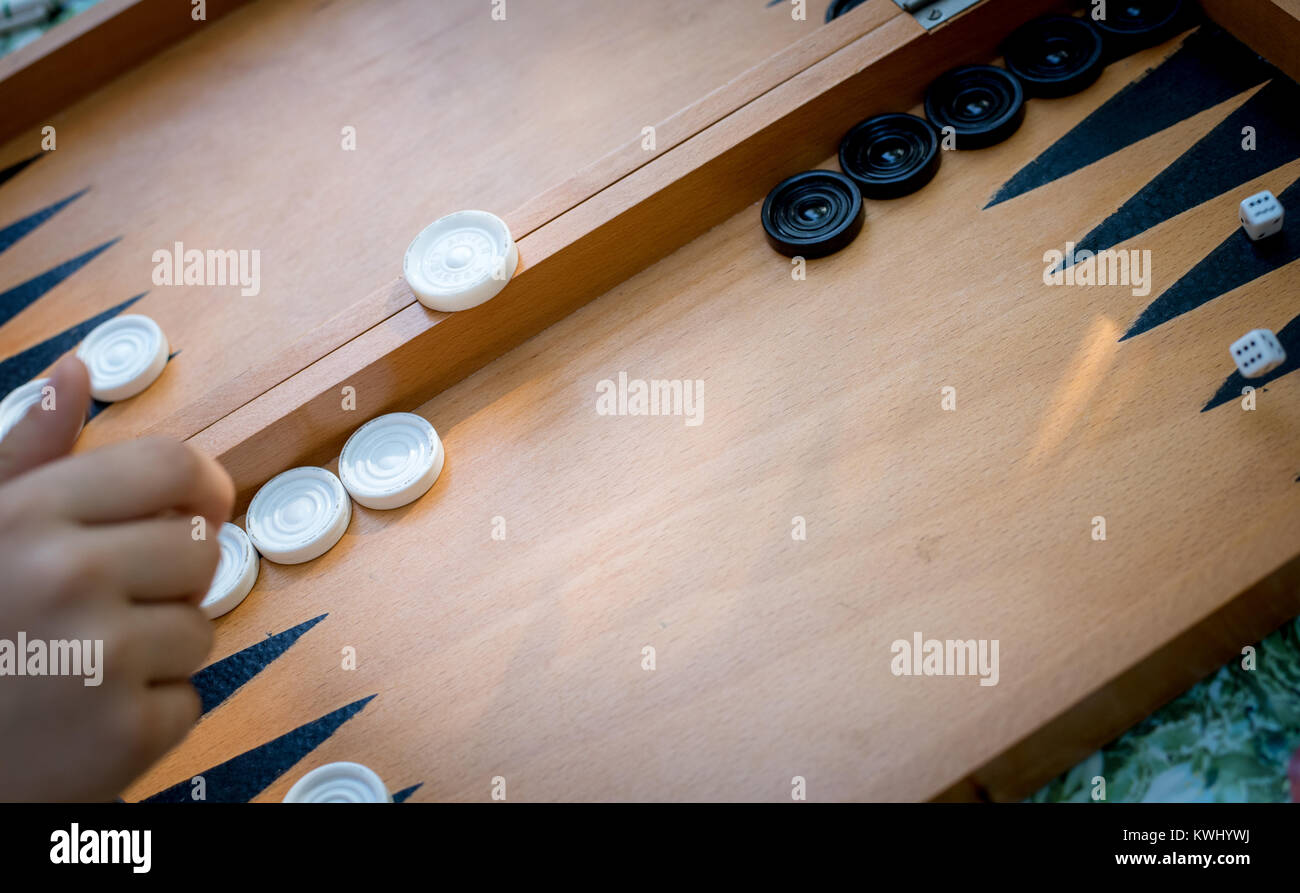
(818, 212)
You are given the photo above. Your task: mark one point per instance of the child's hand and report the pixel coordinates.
(98, 547)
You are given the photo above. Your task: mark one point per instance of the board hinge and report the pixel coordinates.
(932, 13)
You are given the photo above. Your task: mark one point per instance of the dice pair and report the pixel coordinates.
(1258, 352)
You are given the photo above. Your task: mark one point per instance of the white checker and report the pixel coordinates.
(124, 356)
(460, 261)
(236, 573)
(391, 460)
(15, 405)
(22, 398)
(1257, 353)
(339, 783)
(298, 515)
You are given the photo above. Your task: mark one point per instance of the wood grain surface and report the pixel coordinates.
(501, 327)
(680, 194)
(1266, 25)
(78, 56)
(522, 657)
(193, 147)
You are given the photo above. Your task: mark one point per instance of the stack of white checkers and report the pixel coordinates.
(123, 356)
(301, 513)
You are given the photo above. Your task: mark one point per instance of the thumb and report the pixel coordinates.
(51, 424)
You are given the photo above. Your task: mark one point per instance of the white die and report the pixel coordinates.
(1258, 353)
(1262, 215)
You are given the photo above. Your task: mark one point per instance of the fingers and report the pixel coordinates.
(153, 559)
(50, 428)
(155, 723)
(173, 711)
(135, 480)
(167, 642)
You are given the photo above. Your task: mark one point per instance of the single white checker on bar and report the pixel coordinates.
(460, 261)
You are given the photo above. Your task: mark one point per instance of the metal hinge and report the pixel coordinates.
(931, 13)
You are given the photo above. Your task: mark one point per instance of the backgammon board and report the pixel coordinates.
(922, 436)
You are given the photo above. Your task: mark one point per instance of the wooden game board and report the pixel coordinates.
(523, 657)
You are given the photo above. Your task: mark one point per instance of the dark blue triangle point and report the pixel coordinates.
(1234, 263)
(1215, 165)
(15, 231)
(241, 779)
(17, 168)
(1211, 67)
(217, 682)
(23, 367)
(1289, 338)
(402, 795)
(23, 295)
